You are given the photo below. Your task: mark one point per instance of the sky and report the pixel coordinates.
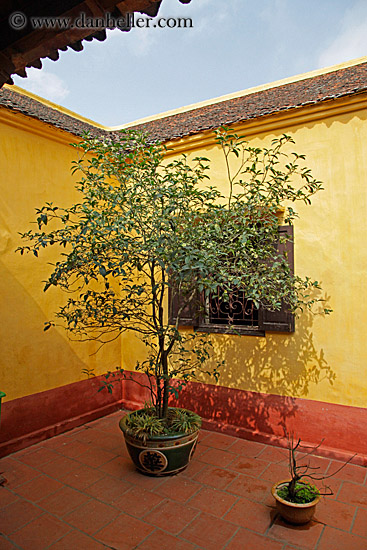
(232, 45)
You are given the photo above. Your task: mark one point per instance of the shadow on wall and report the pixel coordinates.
(283, 364)
(41, 374)
(32, 360)
(261, 382)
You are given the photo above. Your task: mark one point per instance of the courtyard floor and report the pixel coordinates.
(79, 491)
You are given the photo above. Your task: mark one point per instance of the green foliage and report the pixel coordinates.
(183, 421)
(145, 422)
(303, 493)
(144, 226)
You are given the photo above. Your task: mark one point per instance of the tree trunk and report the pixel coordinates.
(165, 384)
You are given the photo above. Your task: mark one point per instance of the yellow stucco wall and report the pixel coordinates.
(35, 162)
(323, 360)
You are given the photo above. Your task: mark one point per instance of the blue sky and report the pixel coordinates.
(233, 45)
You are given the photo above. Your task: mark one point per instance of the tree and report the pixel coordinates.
(144, 226)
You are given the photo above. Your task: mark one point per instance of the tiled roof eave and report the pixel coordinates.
(34, 109)
(304, 93)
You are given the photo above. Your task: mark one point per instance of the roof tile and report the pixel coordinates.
(308, 91)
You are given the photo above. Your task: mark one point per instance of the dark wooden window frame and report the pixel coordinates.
(274, 321)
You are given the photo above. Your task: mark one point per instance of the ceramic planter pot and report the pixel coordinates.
(298, 514)
(160, 455)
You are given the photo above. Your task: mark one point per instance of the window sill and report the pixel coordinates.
(223, 329)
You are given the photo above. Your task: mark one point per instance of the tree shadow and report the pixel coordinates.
(261, 381)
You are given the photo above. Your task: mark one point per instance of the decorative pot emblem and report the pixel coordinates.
(153, 461)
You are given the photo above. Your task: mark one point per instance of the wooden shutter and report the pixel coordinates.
(282, 320)
(189, 315)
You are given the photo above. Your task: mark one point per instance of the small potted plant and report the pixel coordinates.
(296, 498)
(161, 446)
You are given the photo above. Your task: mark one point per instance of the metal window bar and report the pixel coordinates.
(234, 310)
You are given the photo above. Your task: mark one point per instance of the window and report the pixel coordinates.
(235, 313)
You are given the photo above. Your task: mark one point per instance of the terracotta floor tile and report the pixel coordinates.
(40, 533)
(171, 516)
(251, 515)
(193, 468)
(201, 449)
(82, 477)
(335, 514)
(131, 475)
(203, 434)
(21, 452)
(219, 441)
(63, 501)
(59, 468)
(334, 539)
(318, 464)
(8, 462)
(124, 533)
(209, 532)
(77, 541)
(305, 536)
(246, 540)
(85, 481)
(274, 454)
(39, 455)
(275, 472)
(95, 457)
(117, 466)
(269, 500)
(178, 488)
(349, 472)
(108, 489)
(330, 484)
(16, 515)
(161, 541)
(137, 502)
(16, 473)
(248, 448)
(215, 477)
(250, 466)
(6, 497)
(360, 523)
(72, 449)
(250, 488)
(6, 544)
(212, 501)
(353, 494)
(57, 441)
(91, 516)
(110, 422)
(105, 441)
(85, 435)
(38, 488)
(217, 457)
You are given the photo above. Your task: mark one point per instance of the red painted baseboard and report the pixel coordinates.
(267, 418)
(36, 417)
(249, 415)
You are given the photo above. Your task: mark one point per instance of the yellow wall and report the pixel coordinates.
(323, 360)
(35, 162)
(326, 356)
